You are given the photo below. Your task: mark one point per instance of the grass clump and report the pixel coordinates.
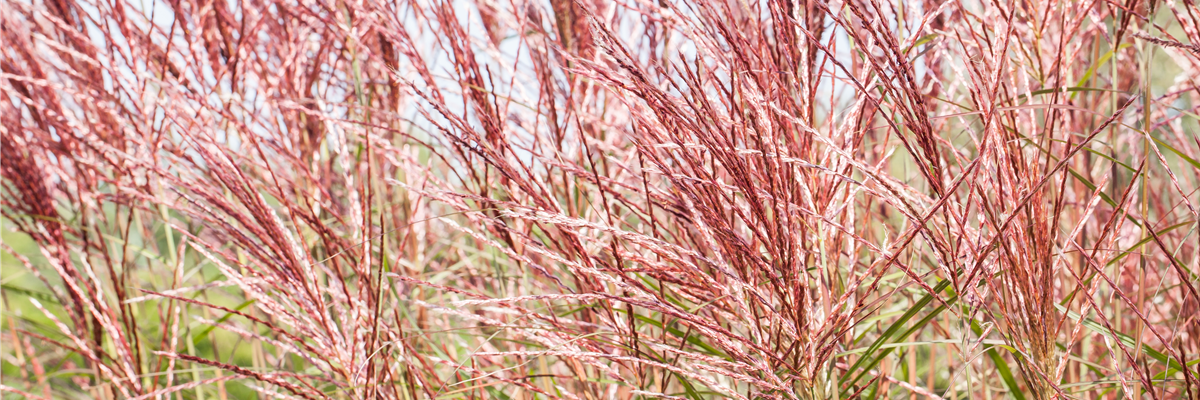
(599, 200)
